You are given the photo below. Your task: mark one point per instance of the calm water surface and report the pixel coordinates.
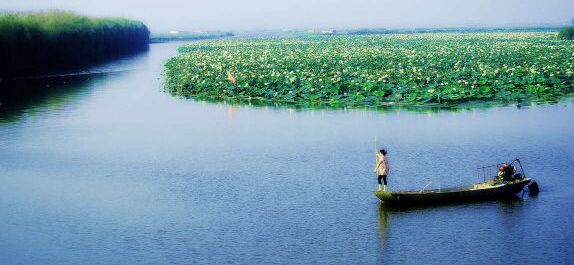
(108, 169)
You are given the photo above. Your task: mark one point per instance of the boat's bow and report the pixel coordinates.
(384, 195)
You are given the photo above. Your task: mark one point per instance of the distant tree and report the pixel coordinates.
(567, 33)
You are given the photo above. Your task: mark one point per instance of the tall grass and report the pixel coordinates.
(43, 41)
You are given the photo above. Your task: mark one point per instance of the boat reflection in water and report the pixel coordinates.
(399, 224)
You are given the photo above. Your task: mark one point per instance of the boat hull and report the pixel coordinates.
(455, 195)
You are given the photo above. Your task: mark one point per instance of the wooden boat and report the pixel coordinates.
(488, 190)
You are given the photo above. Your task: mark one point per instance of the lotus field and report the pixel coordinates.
(374, 70)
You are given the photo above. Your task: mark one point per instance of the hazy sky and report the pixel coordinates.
(165, 15)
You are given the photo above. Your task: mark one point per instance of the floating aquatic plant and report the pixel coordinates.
(377, 69)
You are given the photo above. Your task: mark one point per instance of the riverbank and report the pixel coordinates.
(170, 37)
(38, 42)
(376, 70)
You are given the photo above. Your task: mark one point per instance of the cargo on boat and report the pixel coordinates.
(506, 184)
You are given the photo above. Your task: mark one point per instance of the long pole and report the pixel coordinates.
(376, 148)
(376, 157)
(376, 151)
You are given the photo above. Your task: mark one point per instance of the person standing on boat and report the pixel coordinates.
(382, 168)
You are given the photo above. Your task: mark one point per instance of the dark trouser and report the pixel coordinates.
(384, 177)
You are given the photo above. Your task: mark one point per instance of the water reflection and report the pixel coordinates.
(383, 224)
(510, 202)
(390, 107)
(511, 205)
(54, 90)
(231, 112)
(22, 97)
(510, 211)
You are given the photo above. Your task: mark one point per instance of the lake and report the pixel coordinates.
(107, 168)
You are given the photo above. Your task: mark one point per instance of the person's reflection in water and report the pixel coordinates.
(383, 224)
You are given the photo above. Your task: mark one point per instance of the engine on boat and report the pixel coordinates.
(508, 173)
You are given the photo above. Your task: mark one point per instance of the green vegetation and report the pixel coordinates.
(567, 33)
(35, 42)
(189, 36)
(375, 70)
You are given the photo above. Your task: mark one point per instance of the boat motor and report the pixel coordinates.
(533, 188)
